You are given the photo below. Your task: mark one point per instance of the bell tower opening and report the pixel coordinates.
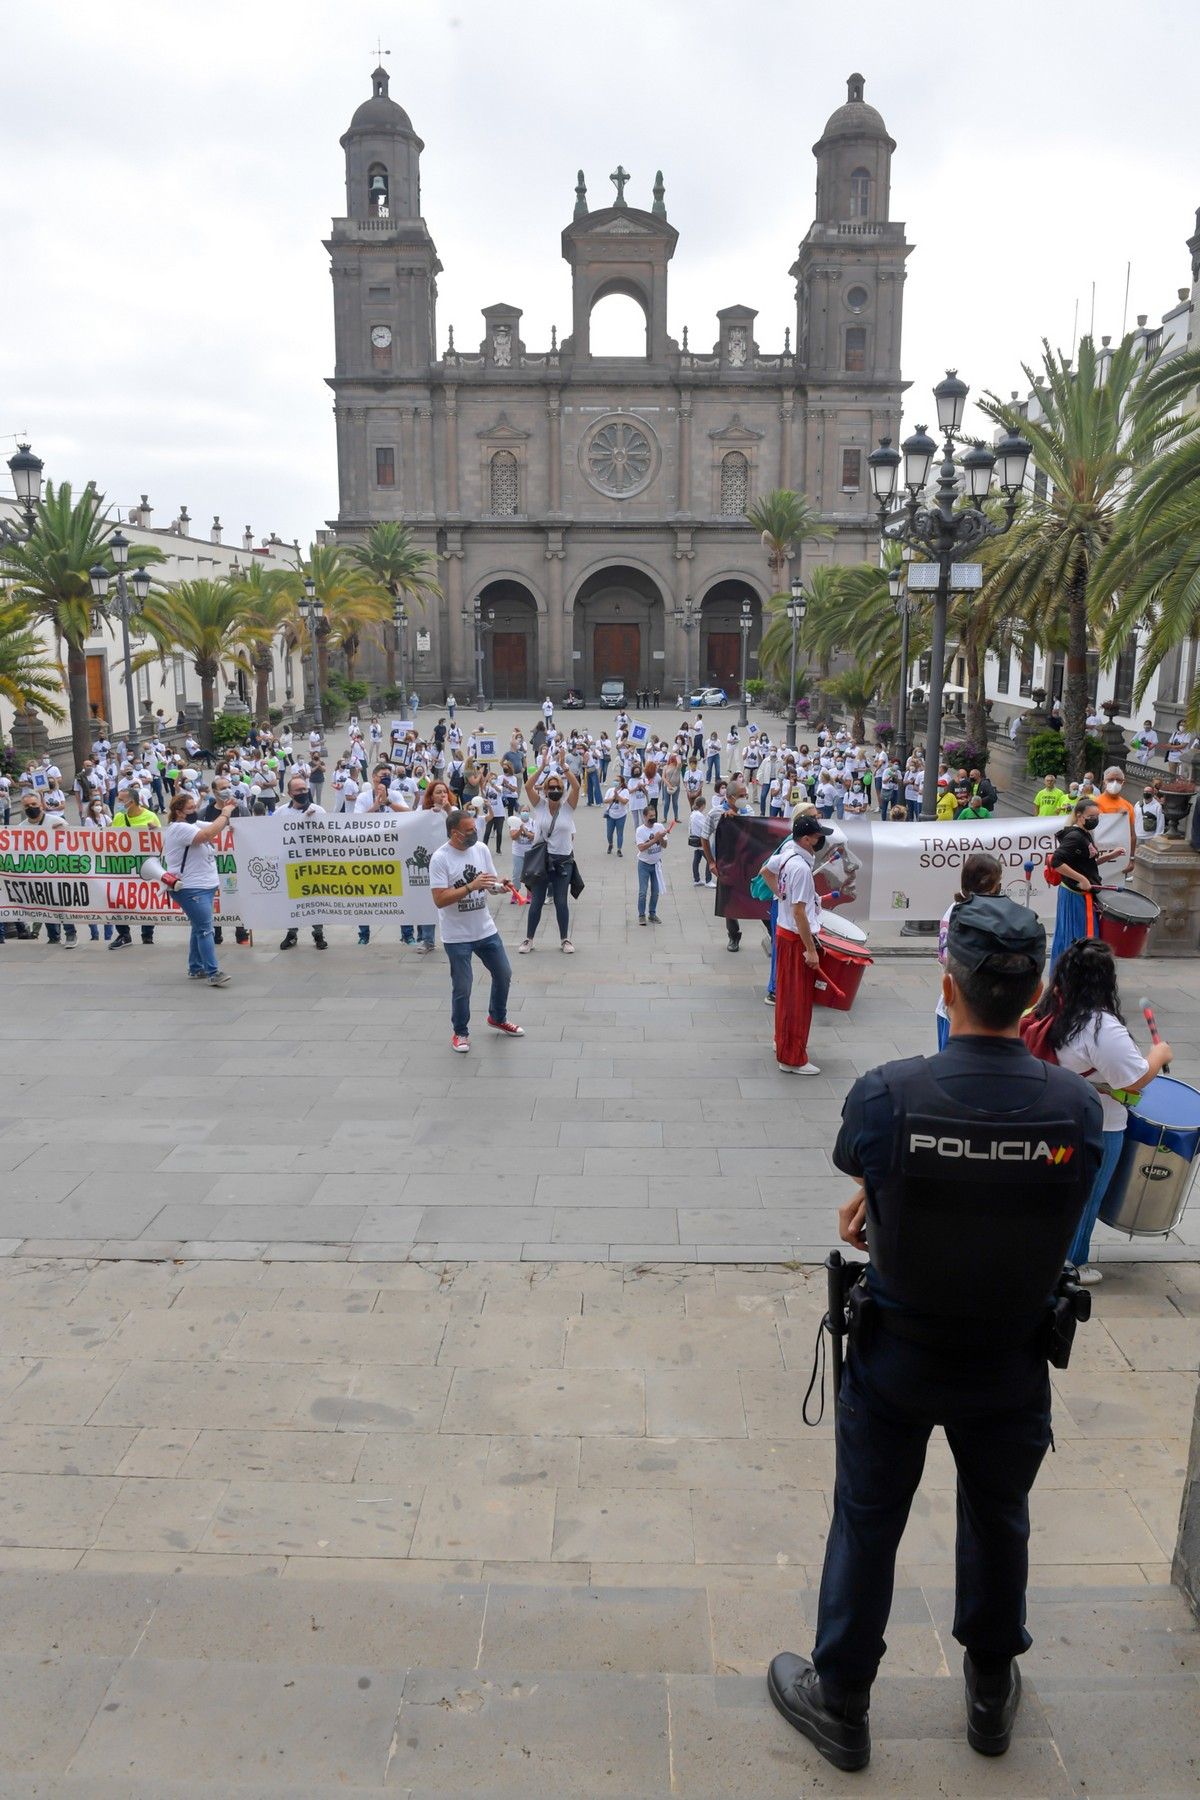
(618, 325)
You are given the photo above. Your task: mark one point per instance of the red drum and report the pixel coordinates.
(1125, 920)
(841, 966)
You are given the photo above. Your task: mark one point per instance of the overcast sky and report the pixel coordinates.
(168, 173)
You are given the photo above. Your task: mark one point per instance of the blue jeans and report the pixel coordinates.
(558, 886)
(604, 762)
(424, 934)
(670, 804)
(763, 796)
(712, 769)
(53, 933)
(614, 828)
(494, 957)
(197, 906)
(647, 884)
(1081, 1243)
(594, 795)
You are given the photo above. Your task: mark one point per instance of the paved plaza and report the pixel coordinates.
(379, 1421)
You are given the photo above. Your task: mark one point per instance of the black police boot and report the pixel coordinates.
(318, 937)
(839, 1729)
(993, 1696)
(288, 941)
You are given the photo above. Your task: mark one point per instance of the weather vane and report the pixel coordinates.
(380, 51)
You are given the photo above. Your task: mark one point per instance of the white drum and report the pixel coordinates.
(836, 924)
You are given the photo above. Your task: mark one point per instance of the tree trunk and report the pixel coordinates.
(323, 659)
(77, 698)
(262, 698)
(208, 696)
(350, 650)
(976, 711)
(1075, 688)
(389, 656)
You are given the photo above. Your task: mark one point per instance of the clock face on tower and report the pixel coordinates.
(381, 336)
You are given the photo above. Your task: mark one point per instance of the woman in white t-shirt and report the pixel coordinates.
(1089, 1036)
(188, 853)
(616, 811)
(554, 803)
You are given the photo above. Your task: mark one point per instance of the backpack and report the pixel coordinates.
(1035, 1035)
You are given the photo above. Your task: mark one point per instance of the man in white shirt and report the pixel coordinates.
(796, 928)
(300, 800)
(1147, 742)
(651, 837)
(461, 875)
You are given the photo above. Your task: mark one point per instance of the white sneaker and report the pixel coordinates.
(567, 947)
(525, 948)
(1090, 1275)
(808, 1068)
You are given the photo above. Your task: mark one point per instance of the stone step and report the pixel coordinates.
(121, 1684)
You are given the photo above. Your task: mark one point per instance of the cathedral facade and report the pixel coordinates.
(588, 512)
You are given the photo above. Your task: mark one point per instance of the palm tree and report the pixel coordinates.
(268, 611)
(1152, 564)
(785, 520)
(28, 677)
(49, 576)
(1102, 424)
(825, 590)
(204, 620)
(353, 601)
(391, 558)
(854, 688)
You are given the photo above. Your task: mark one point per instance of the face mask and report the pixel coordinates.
(302, 797)
(554, 793)
(1090, 824)
(1113, 787)
(189, 818)
(470, 839)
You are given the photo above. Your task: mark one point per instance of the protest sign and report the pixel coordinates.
(50, 872)
(361, 869)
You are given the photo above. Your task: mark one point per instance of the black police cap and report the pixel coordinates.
(989, 925)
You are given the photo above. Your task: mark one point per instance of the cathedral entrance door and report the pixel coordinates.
(510, 665)
(617, 656)
(724, 652)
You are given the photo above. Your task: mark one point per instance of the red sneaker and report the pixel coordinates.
(506, 1028)
(461, 1044)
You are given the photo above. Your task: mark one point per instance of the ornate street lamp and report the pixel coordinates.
(473, 615)
(400, 623)
(797, 606)
(685, 618)
(26, 471)
(312, 610)
(903, 602)
(942, 529)
(744, 623)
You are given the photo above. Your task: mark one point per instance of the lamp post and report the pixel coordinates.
(400, 622)
(744, 624)
(685, 618)
(941, 529)
(26, 471)
(312, 609)
(797, 606)
(474, 615)
(118, 545)
(903, 602)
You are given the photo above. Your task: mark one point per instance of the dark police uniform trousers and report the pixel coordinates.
(994, 1403)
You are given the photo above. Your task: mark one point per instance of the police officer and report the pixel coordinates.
(974, 1168)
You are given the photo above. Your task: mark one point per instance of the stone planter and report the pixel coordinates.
(1175, 803)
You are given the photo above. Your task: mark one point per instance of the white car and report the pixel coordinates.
(709, 696)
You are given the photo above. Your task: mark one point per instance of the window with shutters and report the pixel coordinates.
(504, 483)
(851, 470)
(856, 349)
(1003, 670)
(860, 194)
(385, 468)
(735, 484)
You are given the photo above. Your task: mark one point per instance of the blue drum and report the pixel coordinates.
(1152, 1181)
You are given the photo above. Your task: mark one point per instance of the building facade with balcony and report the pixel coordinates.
(576, 502)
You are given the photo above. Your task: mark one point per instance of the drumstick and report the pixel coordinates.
(1155, 1035)
(1028, 877)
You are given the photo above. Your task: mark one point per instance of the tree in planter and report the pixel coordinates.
(28, 677)
(853, 688)
(785, 520)
(390, 558)
(269, 612)
(1102, 424)
(204, 621)
(1045, 754)
(353, 601)
(47, 573)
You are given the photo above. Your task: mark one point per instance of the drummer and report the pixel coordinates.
(1089, 1036)
(1077, 861)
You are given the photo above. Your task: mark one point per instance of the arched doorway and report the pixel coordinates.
(721, 636)
(619, 631)
(510, 659)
